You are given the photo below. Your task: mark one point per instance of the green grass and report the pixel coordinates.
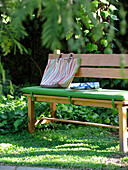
(80, 148)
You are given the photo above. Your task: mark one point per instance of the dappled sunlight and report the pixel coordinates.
(5, 145)
(82, 147)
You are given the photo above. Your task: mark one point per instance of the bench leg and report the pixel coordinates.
(53, 110)
(31, 115)
(123, 128)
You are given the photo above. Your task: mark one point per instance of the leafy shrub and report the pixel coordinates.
(14, 114)
(89, 114)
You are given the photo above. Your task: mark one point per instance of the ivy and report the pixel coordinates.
(14, 114)
(91, 47)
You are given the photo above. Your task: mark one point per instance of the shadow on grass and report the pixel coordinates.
(85, 147)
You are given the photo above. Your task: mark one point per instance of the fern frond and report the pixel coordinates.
(51, 28)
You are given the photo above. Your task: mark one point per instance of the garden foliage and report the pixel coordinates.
(33, 29)
(14, 114)
(84, 24)
(30, 29)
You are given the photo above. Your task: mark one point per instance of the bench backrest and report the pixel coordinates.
(101, 65)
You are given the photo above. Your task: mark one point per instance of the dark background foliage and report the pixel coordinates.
(27, 68)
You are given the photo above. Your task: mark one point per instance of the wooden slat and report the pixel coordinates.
(53, 99)
(80, 122)
(41, 97)
(102, 73)
(98, 59)
(77, 101)
(98, 100)
(95, 103)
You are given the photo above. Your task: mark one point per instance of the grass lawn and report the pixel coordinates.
(84, 147)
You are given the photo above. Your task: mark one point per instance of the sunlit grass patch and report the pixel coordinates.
(80, 148)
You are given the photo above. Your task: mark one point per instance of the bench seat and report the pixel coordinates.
(104, 94)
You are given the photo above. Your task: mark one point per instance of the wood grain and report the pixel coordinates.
(98, 59)
(115, 73)
(80, 122)
(31, 115)
(123, 134)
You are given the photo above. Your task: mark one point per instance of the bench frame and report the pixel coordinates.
(112, 62)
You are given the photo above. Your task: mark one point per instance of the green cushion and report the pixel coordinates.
(106, 94)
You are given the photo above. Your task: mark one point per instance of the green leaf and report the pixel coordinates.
(104, 42)
(108, 50)
(114, 28)
(69, 35)
(95, 4)
(9, 97)
(91, 47)
(104, 82)
(96, 37)
(107, 120)
(0, 93)
(95, 116)
(86, 32)
(86, 39)
(17, 123)
(4, 122)
(104, 13)
(114, 17)
(3, 116)
(106, 25)
(112, 7)
(105, 2)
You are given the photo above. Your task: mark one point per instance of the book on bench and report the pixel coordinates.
(84, 86)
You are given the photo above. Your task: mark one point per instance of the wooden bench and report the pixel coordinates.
(92, 66)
